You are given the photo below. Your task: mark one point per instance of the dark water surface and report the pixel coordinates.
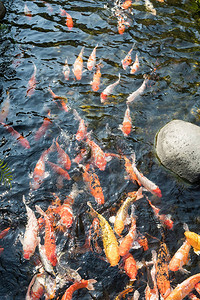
(169, 41)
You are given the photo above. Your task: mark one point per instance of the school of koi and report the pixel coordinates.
(41, 234)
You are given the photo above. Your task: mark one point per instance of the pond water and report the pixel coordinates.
(168, 46)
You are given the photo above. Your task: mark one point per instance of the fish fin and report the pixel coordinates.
(46, 174)
(112, 219)
(139, 264)
(120, 127)
(90, 284)
(139, 193)
(184, 271)
(197, 251)
(185, 227)
(135, 245)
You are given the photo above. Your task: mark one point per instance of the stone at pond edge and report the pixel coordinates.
(178, 148)
(2, 10)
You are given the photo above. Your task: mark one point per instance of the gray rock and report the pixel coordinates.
(2, 10)
(178, 148)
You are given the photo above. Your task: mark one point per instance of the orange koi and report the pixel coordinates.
(126, 4)
(78, 285)
(142, 241)
(36, 287)
(27, 11)
(66, 70)
(135, 66)
(194, 240)
(78, 65)
(165, 219)
(5, 108)
(121, 25)
(98, 155)
(92, 181)
(138, 92)
(61, 98)
(180, 258)
(92, 59)
(82, 129)
(69, 20)
(184, 288)
(130, 266)
(22, 140)
(110, 243)
(43, 128)
(108, 91)
(64, 159)
(32, 83)
(127, 60)
(127, 241)
(127, 123)
(49, 240)
(4, 232)
(96, 79)
(148, 184)
(59, 170)
(31, 239)
(162, 274)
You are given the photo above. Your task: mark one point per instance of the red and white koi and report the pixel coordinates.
(184, 288)
(92, 59)
(98, 156)
(135, 66)
(5, 108)
(49, 240)
(127, 60)
(43, 128)
(22, 140)
(78, 285)
(138, 92)
(151, 293)
(36, 287)
(31, 239)
(148, 184)
(127, 123)
(32, 83)
(108, 91)
(63, 157)
(78, 65)
(66, 70)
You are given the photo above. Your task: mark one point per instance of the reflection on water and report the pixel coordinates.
(167, 44)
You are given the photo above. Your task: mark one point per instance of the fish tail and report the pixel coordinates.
(90, 286)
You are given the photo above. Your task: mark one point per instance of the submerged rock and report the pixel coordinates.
(178, 149)
(2, 10)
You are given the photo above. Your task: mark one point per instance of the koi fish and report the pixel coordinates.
(184, 288)
(110, 243)
(78, 285)
(63, 157)
(92, 59)
(180, 258)
(127, 4)
(107, 91)
(43, 128)
(194, 240)
(96, 79)
(22, 140)
(138, 92)
(129, 170)
(36, 287)
(82, 129)
(122, 213)
(66, 70)
(78, 65)
(39, 170)
(44, 260)
(69, 20)
(27, 11)
(61, 100)
(127, 60)
(130, 266)
(135, 66)
(165, 219)
(5, 108)
(148, 184)
(49, 239)
(127, 123)
(59, 170)
(31, 238)
(149, 7)
(4, 232)
(98, 155)
(32, 83)
(92, 181)
(121, 25)
(162, 274)
(151, 291)
(127, 241)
